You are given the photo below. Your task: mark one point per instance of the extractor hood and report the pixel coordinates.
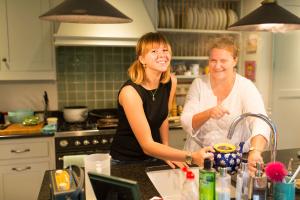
(70, 34)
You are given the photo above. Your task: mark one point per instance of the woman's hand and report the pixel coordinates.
(253, 158)
(173, 164)
(200, 155)
(218, 112)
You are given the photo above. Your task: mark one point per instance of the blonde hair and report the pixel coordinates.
(136, 70)
(225, 42)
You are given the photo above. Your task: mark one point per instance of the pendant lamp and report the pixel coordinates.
(268, 17)
(86, 11)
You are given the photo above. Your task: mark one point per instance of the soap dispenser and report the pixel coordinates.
(259, 188)
(207, 181)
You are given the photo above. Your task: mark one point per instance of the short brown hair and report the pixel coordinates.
(136, 70)
(225, 42)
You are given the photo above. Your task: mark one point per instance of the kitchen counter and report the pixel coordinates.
(21, 136)
(137, 172)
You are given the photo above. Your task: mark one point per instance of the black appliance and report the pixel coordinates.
(86, 137)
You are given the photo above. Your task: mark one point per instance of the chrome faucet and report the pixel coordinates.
(273, 138)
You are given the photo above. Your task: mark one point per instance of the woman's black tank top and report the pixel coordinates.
(125, 146)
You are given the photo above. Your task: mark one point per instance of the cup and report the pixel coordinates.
(284, 191)
(99, 163)
(195, 69)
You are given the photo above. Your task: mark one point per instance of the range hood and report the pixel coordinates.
(70, 34)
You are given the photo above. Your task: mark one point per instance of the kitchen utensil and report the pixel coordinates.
(295, 174)
(227, 155)
(19, 115)
(75, 113)
(46, 102)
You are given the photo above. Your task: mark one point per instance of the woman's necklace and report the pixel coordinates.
(153, 94)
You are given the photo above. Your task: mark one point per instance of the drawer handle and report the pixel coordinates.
(21, 169)
(60, 158)
(20, 151)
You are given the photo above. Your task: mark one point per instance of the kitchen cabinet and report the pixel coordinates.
(177, 138)
(22, 166)
(26, 48)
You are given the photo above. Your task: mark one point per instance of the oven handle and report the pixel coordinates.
(60, 158)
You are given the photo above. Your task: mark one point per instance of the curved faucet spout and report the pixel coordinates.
(273, 138)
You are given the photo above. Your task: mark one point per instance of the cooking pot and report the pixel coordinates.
(227, 155)
(75, 113)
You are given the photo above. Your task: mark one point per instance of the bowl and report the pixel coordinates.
(18, 116)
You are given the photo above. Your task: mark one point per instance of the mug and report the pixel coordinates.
(284, 191)
(195, 69)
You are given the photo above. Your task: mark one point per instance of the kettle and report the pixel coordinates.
(65, 184)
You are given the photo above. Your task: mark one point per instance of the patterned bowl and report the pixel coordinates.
(226, 155)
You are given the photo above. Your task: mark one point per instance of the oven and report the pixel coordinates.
(87, 137)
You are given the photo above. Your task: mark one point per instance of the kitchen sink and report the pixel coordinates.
(168, 182)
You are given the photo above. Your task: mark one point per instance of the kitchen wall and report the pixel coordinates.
(91, 76)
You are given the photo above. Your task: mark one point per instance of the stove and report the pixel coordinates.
(86, 137)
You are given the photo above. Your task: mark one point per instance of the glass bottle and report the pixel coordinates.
(242, 182)
(207, 181)
(223, 184)
(259, 190)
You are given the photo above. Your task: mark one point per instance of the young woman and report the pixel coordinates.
(216, 99)
(144, 102)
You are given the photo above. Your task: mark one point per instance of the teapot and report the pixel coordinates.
(229, 156)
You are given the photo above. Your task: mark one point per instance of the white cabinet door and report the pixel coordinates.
(26, 48)
(286, 83)
(22, 181)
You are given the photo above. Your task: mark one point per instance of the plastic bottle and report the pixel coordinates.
(189, 188)
(207, 181)
(242, 182)
(259, 191)
(223, 184)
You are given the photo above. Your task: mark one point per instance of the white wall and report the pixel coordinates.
(27, 95)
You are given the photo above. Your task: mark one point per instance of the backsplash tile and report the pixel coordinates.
(91, 76)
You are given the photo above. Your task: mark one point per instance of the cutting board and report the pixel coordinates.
(17, 129)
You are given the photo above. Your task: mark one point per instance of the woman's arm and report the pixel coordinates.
(173, 91)
(133, 107)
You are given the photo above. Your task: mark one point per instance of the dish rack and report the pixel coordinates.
(197, 14)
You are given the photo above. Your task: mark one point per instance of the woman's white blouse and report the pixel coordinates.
(244, 97)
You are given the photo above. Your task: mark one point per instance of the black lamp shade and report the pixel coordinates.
(86, 11)
(268, 17)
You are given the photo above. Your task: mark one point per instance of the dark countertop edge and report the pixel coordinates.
(33, 135)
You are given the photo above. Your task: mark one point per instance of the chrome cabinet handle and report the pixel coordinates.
(19, 151)
(60, 158)
(21, 169)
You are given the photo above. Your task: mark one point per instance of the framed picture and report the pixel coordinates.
(250, 70)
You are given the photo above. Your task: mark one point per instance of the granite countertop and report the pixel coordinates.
(137, 172)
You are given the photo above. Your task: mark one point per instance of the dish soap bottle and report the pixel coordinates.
(223, 184)
(207, 181)
(242, 182)
(189, 188)
(259, 191)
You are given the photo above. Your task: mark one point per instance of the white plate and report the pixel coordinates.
(189, 18)
(220, 18)
(216, 18)
(204, 18)
(167, 15)
(209, 19)
(224, 16)
(172, 18)
(195, 18)
(162, 18)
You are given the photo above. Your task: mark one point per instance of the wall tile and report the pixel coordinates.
(91, 76)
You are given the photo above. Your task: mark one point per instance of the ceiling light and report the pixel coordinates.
(268, 17)
(86, 11)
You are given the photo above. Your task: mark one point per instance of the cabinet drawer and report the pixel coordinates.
(24, 150)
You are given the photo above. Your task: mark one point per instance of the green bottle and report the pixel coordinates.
(207, 181)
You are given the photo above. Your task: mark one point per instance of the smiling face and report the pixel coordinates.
(156, 57)
(221, 63)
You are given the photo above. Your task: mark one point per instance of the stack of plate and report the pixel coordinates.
(166, 17)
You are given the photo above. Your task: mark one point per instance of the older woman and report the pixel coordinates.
(143, 103)
(216, 99)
